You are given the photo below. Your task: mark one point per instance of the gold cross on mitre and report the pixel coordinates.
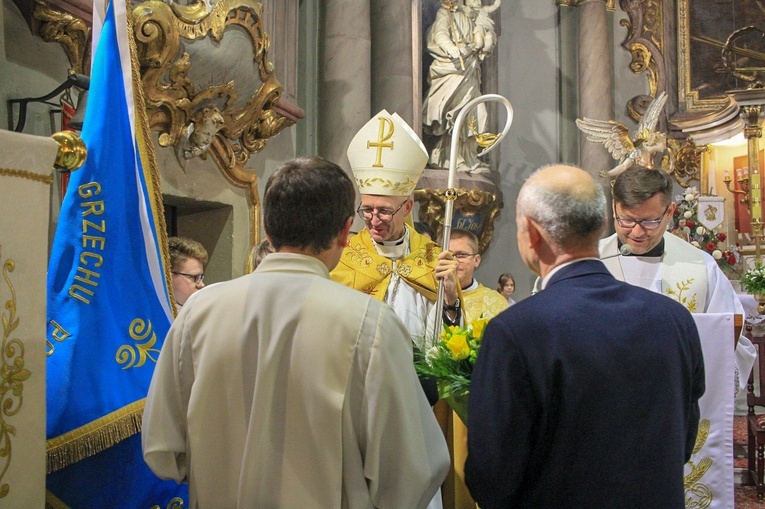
(382, 138)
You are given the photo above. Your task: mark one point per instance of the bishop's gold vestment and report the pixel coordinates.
(361, 267)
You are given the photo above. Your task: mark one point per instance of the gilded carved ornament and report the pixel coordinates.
(483, 205)
(71, 32)
(645, 43)
(683, 160)
(198, 118)
(577, 3)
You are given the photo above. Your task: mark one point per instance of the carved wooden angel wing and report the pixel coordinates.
(651, 116)
(614, 135)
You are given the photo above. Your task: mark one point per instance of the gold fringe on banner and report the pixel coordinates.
(95, 436)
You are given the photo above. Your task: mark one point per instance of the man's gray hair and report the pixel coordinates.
(572, 218)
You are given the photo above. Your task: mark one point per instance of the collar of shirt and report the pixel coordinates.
(394, 249)
(654, 253)
(558, 267)
(472, 286)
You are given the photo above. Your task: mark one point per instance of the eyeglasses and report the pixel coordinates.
(646, 224)
(197, 278)
(462, 256)
(383, 215)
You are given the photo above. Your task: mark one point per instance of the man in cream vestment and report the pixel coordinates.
(478, 301)
(388, 259)
(664, 263)
(284, 389)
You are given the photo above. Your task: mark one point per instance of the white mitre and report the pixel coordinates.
(387, 157)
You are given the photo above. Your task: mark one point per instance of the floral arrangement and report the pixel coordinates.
(450, 362)
(753, 280)
(688, 227)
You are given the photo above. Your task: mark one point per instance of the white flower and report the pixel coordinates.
(689, 197)
(716, 254)
(687, 230)
(696, 244)
(688, 214)
(700, 230)
(431, 354)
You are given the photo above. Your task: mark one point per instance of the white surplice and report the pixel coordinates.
(715, 293)
(284, 389)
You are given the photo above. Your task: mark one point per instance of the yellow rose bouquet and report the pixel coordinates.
(450, 362)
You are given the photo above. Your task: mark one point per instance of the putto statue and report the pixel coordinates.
(615, 136)
(460, 38)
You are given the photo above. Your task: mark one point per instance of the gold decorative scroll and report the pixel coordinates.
(684, 160)
(240, 127)
(71, 32)
(645, 42)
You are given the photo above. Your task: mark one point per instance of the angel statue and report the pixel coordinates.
(615, 136)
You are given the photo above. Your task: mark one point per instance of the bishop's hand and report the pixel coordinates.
(446, 269)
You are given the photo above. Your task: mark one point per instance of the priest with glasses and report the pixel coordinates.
(662, 262)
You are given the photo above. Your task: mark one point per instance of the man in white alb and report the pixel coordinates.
(663, 262)
(284, 389)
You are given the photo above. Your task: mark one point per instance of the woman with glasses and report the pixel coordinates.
(187, 265)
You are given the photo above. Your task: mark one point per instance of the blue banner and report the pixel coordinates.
(108, 302)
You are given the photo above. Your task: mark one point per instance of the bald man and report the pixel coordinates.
(585, 394)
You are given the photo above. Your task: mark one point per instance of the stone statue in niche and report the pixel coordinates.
(459, 39)
(198, 134)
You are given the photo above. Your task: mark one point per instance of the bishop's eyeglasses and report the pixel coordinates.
(383, 215)
(196, 278)
(646, 224)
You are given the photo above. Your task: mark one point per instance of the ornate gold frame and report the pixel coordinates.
(690, 98)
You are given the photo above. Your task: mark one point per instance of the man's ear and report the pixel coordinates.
(534, 233)
(342, 237)
(409, 206)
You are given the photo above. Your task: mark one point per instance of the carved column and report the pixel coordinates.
(391, 24)
(595, 66)
(345, 89)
